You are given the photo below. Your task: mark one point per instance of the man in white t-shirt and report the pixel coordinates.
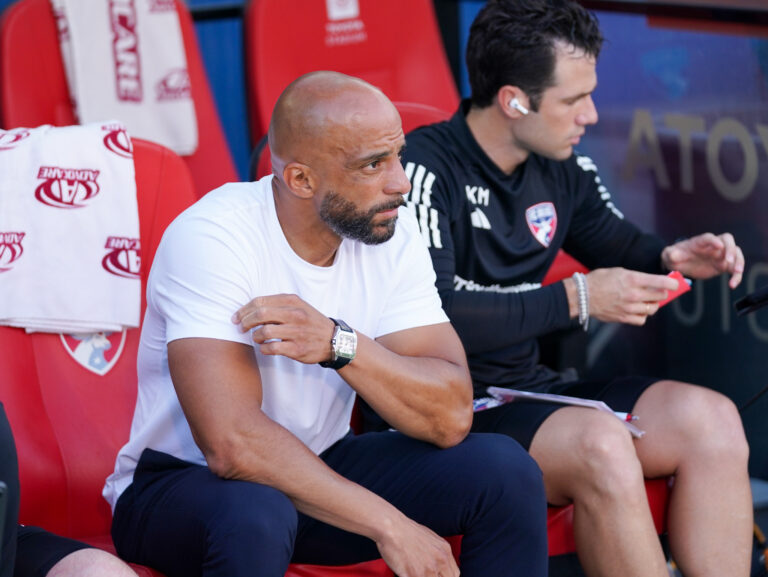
(240, 458)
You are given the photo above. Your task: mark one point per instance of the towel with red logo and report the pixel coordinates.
(125, 59)
(70, 254)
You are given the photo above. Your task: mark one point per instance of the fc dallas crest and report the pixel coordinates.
(97, 352)
(542, 221)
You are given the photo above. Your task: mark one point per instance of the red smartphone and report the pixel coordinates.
(683, 286)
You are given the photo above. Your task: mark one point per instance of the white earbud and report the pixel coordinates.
(515, 103)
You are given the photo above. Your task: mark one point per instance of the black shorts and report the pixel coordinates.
(521, 419)
(37, 551)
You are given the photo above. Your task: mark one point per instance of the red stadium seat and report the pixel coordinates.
(412, 115)
(563, 266)
(33, 87)
(393, 44)
(68, 421)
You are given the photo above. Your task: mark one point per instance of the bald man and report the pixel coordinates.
(270, 306)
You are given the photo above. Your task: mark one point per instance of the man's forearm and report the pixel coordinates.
(426, 397)
(572, 294)
(488, 321)
(264, 452)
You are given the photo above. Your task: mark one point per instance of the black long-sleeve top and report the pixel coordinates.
(493, 236)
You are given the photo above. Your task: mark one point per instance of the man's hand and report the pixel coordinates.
(705, 256)
(287, 326)
(412, 550)
(625, 296)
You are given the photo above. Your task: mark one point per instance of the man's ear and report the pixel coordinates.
(513, 101)
(298, 178)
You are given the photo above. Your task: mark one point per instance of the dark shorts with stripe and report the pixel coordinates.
(37, 551)
(521, 419)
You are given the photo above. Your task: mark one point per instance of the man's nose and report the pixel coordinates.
(397, 182)
(588, 115)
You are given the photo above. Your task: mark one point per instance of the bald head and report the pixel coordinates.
(321, 110)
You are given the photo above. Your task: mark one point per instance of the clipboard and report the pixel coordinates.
(513, 395)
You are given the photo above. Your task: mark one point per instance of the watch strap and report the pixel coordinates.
(339, 361)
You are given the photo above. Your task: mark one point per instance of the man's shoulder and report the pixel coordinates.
(432, 143)
(568, 172)
(229, 218)
(225, 206)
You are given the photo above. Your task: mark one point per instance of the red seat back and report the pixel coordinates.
(68, 421)
(33, 87)
(563, 266)
(393, 44)
(412, 115)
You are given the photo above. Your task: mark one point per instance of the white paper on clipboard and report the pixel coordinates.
(513, 394)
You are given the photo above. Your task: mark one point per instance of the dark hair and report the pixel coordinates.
(512, 42)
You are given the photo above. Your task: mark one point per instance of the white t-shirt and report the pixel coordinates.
(229, 248)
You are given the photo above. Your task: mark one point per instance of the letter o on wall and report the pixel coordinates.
(740, 189)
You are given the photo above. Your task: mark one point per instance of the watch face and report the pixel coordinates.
(345, 344)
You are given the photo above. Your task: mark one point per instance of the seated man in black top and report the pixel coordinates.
(34, 552)
(497, 190)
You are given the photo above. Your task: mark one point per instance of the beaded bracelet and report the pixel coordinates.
(583, 295)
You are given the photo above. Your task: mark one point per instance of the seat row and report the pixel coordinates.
(70, 422)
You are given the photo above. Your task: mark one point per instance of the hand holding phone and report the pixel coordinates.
(683, 286)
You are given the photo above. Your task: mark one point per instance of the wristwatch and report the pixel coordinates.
(343, 345)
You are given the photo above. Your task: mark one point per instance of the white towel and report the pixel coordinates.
(125, 59)
(69, 229)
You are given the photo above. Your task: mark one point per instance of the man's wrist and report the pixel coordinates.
(582, 294)
(343, 346)
(572, 295)
(665, 265)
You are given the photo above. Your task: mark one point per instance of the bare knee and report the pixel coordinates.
(713, 427)
(597, 461)
(90, 563)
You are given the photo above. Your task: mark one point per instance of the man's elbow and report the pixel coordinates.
(454, 427)
(224, 458)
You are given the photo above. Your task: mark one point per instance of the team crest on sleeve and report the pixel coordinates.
(542, 221)
(97, 352)
(10, 249)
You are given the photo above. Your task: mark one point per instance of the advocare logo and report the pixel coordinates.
(10, 249)
(124, 257)
(11, 138)
(62, 25)
(66, 187)
(117, 140)
(342, 9)
(125, 50)
(174, 85)
(162, 6)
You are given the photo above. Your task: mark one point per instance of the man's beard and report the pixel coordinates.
(346, 221)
